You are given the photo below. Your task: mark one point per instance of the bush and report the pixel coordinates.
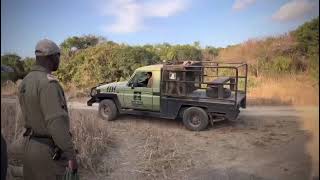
(28, 63)
(13, 61)
(314, 68)
(282, 64)
(8, 76)
(307, 36)
(104, 62)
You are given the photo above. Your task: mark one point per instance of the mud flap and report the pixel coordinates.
(233, 116)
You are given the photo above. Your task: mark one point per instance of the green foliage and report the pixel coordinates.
(279, 64)
(171, 53)
(251, 83)
(196, 44)
(5, 76)
(28, 63)
(307, 36)
(282, 64)
(104, 62)
(97, 60)
(212, 50)
(110, 61)
(81, 42)
(14, 61)
(314, 67)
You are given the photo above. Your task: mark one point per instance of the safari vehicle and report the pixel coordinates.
(198, 92)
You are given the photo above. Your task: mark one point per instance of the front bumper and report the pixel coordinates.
(92, 100)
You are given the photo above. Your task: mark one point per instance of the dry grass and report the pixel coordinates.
(75, 94)
(11, 128)
(284, 90)
(91, 137)
(253, 49)
(9, 88)
(163, 157)
(159, 157)
(11, 121)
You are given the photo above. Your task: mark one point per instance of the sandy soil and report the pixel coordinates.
(266, 142)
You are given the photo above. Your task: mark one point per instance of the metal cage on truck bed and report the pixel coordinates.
(218, 82)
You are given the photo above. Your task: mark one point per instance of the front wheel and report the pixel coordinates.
(108, 110)
(195, 118)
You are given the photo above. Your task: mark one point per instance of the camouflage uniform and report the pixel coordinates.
(45, 111)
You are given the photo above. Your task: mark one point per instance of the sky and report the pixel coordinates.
(217, 23)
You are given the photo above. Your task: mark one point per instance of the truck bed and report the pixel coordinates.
(200, 94)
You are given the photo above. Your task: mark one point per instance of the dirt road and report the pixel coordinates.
(266, 142)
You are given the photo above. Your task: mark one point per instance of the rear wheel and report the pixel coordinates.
(195, 118)
(108, 110)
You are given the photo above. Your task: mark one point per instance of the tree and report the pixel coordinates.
(28, 63)
(104, 62)
(81, 42)
(307, 36)
(210, 53)
(196, 44)
(14, 61)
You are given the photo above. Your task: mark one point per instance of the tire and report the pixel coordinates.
(108, 110)
(195, 119)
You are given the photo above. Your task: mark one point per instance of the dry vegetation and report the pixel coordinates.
(285, 90)
(162, 157)
(263, 90)
(9, 88)
(90, 135)
(91, 138)
(278, 75)
(76, 94)
(150, 148)
(253, 49)
(157, 157)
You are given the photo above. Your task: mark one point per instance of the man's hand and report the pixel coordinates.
(73, 165)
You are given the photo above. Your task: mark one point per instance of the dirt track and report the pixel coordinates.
(266, 142)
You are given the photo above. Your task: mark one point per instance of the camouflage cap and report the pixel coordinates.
(46, 47)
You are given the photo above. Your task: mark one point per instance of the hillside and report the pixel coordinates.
(293, 52)
(283, 60)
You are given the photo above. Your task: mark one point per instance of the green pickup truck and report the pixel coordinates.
(198, 92)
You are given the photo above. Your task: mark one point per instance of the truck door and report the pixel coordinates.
(137, 95)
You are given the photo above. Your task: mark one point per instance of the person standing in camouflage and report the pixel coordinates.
(48, 149)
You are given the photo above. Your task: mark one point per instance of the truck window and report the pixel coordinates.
(141, 79)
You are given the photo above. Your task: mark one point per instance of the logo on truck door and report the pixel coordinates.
(137, 96)
(136, 99)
